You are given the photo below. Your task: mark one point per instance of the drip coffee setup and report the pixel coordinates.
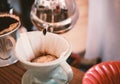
(44, 52)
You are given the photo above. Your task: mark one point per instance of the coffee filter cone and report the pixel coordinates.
(33, 43)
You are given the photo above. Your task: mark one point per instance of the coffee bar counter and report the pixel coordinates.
(13, 74)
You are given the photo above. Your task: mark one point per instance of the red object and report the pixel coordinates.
(103, 73)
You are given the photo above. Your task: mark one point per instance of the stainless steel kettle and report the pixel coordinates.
(57, 16)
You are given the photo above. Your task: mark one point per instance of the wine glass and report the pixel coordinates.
(57, 16)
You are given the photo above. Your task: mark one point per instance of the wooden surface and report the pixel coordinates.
(12, 74)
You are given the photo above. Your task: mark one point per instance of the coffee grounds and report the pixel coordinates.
(43, 58)
(6, 21)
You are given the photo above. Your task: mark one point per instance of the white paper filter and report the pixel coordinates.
(35, 42)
